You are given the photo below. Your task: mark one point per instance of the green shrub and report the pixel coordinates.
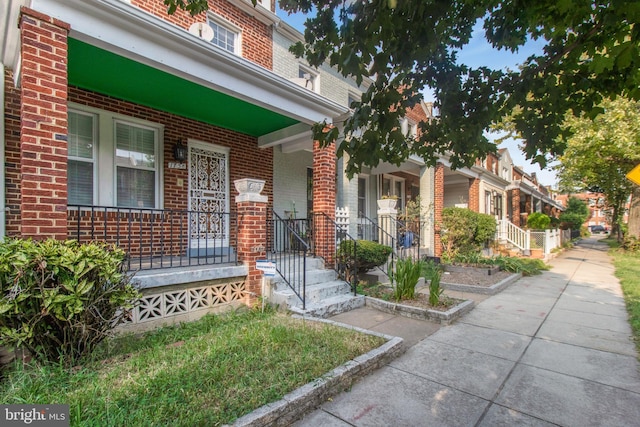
(60, 299)
(464, 231)
(538, 221)
(526, 266)
(406, 278)
(366, 255)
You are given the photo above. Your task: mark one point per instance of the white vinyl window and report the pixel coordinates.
(136, 165)
(113, 160)
(81, 158)
(225, 35)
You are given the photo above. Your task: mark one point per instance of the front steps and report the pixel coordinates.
(326, 295)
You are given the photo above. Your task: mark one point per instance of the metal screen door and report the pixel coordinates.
(208, 198)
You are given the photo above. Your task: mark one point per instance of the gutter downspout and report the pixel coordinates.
(3, 215)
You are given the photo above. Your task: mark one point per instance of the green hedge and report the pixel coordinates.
(464, 231)
(367, 254)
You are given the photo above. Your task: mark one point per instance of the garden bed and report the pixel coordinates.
(419, 308)
(479, 284)
(486, 270)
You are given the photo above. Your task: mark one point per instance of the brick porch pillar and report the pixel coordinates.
(438, 205)
(324, 200)
(252, 232)
(43, 133)
(515, 206)
(474, 194)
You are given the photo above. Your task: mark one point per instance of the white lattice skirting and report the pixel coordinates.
(179, 302)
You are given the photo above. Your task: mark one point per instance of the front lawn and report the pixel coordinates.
(627, 269)
(208, 372)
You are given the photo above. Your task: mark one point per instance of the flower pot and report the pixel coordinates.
(387, 203)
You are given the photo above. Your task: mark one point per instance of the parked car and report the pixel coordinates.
(598, 229)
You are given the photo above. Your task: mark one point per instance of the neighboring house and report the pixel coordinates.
(526, 196)
(599, 212)
(124, 124)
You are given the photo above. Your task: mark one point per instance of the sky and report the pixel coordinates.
(479, 53)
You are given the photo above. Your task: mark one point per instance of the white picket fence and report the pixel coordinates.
(524, 240)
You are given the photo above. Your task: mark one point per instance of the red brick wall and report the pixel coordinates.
(246, 160)
(324, 198)
(515, 206)
(12, 154)
(256, 37)
(438, 205)
(43, 116)
(474, 194)
(252, 236)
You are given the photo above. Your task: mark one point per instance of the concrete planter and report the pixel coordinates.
(490, 269)
(484, 290)
(386, 203)
(444, 317)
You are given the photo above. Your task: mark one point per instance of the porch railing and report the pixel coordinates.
(327, 238)
(158, 238)
(288, 247)
(509, 232)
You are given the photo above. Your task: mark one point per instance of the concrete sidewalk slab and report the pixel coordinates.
(502, 321)
(499, 416)
(596, 321)
(585, 336)
(393, 397)
(604, 367)
(506, 345)
(567, 400)
(465, 370)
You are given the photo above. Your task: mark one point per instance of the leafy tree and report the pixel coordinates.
(591, 50)
(575, 214)
(601, 152)
(538, 221)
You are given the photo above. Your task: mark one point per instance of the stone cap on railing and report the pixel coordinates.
(249, 190)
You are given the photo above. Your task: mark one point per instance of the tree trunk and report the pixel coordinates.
(634, 212)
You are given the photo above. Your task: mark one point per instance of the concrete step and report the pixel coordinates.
(314, 293)
(331, 306)
(313, 277)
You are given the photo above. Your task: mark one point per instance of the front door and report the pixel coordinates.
(208, 199)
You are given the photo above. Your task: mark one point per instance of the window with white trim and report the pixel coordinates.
(136, 165)
(81, 158)
(225, 35)
(113, 160)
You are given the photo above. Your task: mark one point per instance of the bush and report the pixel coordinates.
(366, 256)
(538, 221)
(526, 266)
(406, 278)
(464, 231)
(60, 299)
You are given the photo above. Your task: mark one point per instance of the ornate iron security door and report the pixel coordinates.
(208, 199)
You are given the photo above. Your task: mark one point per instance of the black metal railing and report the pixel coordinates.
(288, 245)
(158, 238)
(371, 231)
(328, 238)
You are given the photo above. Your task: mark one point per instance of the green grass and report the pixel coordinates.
(627, 269)
(208, 372)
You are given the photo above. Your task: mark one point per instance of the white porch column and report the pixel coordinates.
(387, 215)
(427, 200)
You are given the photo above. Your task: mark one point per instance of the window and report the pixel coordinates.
(81, 160)
(497, 203)
(351, 98)
(311, 77)
(113, 160)
(136, 149)
(488, 208)
(362, 197)
(224, 35)
(393, 186)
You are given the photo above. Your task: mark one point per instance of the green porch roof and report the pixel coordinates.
(101, 71)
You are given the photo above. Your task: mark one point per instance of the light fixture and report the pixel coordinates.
(180, 152)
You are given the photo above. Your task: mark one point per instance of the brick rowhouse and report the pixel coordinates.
(43, 133)
(474, 194)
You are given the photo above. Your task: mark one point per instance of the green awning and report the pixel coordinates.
(101, 71)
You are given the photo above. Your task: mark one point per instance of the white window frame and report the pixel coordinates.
(94, 160)
(314, 77)
(156, 169)
(105, 178)
(228, 26)
(394, 179)
(356, 96)
(264, 3)
(365, 178)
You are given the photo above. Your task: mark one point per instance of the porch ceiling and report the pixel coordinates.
(95, 69)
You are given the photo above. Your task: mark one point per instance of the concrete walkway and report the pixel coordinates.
(554, 349)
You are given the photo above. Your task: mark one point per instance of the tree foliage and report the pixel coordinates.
(575, 214)
(405, 46)
(601, 151)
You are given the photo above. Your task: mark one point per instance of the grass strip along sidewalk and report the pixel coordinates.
(208, 372)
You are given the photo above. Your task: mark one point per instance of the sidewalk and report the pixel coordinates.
(554, 349)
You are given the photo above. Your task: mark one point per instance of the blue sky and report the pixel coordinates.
(479, 53)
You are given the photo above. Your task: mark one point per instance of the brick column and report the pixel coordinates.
(43, 133)
(515, 207)
(324, 199)
(474, 194)
(438, 205)
(252, 232)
